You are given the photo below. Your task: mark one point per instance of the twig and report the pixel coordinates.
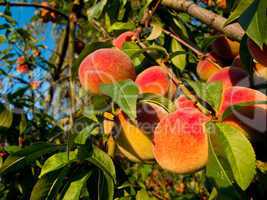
(233, 31)
(148, 14)
(185, 43)
(36, 5)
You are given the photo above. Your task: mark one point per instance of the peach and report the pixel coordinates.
(135, 141)
(36, 52)
(124, 37)
(21, 60)
(225, 48)
(207, 66)
(230, 76)
(252, 116)
(22, 68)
(35, 84)
(180, 141)
(105, 66)
(183, 102)
(261, 70)
(154, 80)
(219, 3)
(260, 55)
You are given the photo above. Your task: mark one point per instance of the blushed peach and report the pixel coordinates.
(122, 38)
(154, 80)
(207, 66)
(105, 66)
(230, 76)
(180, 143)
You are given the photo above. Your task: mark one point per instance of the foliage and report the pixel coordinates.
(52, 133)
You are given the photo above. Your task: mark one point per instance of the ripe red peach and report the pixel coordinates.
(22, 68)
(225, 48)
(252, 116)
(260, 55)
(207, 66)
(154, 80)
(183, 102)
(124, 37)
(180, 142)
(21, 60)
(36, 52)
(35, 84)
(219, 3)
(230, 76)
(105, 66)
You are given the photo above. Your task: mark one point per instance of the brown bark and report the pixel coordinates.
(233, 31)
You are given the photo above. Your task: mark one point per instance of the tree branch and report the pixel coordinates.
(36, 5)
(233, 31)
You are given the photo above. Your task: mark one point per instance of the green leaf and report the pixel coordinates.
(209, 92)
(178, 61)
(48, 186)
(134, 52)
(240, 106)
(8, 18)
(6, 118)
(143, 195)
(215, 169)
(156, 29)
(239, 153)
(254, 22)
(89, 48)
(164, 102)
(27, 156)
(181, 26)
(22, 124)
(100, 159)
(214, 93)
(85, 133)
(241, 7)
(75, 188)
(106, 186)
(58, 161)
(96, 10)
(124, 94)
(121, 26)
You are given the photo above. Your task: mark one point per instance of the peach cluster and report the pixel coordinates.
(225, 52)
(178, 140)
(22, 66)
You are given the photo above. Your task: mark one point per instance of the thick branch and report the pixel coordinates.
(36, 5)
(233, 31)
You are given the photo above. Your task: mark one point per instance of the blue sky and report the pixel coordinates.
(23, 16)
